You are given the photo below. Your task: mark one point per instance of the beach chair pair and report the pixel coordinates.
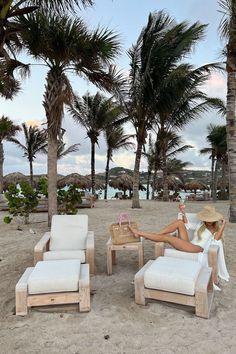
(64, 260)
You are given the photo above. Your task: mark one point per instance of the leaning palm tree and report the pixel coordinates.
(66, 45)
(35, 142)
(10, 35)
(7, 130)
(94, 113)
(116, 139)
(162, 90)
(227, 29)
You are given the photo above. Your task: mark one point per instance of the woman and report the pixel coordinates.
(211, 226)
(210, 230)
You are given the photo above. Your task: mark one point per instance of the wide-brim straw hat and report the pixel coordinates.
(209, 214)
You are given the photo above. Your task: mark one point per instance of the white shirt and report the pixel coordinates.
(204, 241)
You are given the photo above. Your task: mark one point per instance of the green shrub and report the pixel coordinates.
(43, 186)
(68, 200)
(21, 201)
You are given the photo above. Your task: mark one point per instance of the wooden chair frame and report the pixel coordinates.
(25, 300)
(201, 301)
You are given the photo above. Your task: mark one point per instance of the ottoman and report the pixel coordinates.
(181, 281)
(54, 283)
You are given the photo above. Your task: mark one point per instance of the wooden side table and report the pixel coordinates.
(133, 246)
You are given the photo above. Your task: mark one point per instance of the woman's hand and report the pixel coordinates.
(182, 207)
(223, 222)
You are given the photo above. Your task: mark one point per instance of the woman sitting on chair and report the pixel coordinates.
(211, 226)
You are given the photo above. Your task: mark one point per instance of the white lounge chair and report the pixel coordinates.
(193, 221)
(69, 239)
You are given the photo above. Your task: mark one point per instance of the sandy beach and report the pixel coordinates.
(115, 324)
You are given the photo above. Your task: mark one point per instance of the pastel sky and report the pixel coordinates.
(126, 17)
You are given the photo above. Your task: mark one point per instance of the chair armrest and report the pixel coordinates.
(159, 249)
(90, 240)
(41, 247)
(90, 251)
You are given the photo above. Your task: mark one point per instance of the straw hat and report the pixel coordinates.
(209, 214)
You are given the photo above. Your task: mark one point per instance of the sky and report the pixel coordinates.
(126, 17)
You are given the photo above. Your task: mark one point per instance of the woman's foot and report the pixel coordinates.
(134, 231)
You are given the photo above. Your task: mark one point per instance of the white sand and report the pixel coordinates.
(157, 328)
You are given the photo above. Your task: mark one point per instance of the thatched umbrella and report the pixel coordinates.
(14, 178)
(73, 178)
(124, 182)
(99, 183)
(174, 183)
(194, 185)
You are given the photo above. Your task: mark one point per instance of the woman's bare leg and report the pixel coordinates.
(177, 225)
(178, 243)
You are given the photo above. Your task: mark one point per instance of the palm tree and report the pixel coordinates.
(162, 90)
(217, 139)
(93, 113)
(115, 139)
(150, 156)
(10, 39)
(66, 45)
(173, 145)
(35, 142)
(227, 30)
(7, 130)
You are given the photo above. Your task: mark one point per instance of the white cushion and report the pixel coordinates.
(68, 232)
(170, 252)
(52, 277)
(54, 255)
(172, 274)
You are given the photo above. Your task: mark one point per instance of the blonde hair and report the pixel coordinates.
(202, 228)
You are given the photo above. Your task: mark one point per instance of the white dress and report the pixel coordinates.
(206, 240)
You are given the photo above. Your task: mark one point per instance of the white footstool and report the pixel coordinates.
(54, 283)
(176, 280)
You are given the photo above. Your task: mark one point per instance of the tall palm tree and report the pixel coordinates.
(227, 29)
(219, 156)
(150, 156)
(116, 139)
(7, 129)
(35, 142)
(162, 90)
(10, 39)
(66, 45)
(94, 113)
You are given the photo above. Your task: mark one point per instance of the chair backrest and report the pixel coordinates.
(193, 223)
(68, 232)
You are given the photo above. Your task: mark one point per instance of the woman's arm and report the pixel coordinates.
(182, 212)
(219, 233)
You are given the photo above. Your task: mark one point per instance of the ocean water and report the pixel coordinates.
(142, 194)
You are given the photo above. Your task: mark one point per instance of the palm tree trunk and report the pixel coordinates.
(212, 174)
(214, 189)
(230, 119)
(165, 180)
(148, 184)
(154, 182)
(1, 166)
(52, 178)
(107, 173)
(135, 200)
(31, 172)
(224, 180)
(93, 167)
